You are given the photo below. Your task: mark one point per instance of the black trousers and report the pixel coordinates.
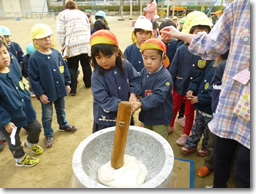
(73, 63)
(223, 154)
(33, 129)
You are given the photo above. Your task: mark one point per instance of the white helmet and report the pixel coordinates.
(143, 23)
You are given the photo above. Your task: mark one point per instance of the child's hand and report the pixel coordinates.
(136, 106)
(133, 98)
(189, 94)
(44, 99)
(9, 127)
(68, 89)
(194, 99)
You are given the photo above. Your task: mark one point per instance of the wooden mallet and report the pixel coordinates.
(121, 133)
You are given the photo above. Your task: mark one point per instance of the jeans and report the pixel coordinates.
(47, 112)
(33, 128)
(223, 154)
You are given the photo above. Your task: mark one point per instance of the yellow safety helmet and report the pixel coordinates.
(40, 31)
(201, 20)
(189, 18)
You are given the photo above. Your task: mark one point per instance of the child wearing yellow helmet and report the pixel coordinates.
(50, 80)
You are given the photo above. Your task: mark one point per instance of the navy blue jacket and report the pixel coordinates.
(133, 54)
(184, 68)
(25, 65)
(110, 89)
(16, 50)
(156, 97)
(199, 87)
(48, 74)
(15, 103)
(171, 49)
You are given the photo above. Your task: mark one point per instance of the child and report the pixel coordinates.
(13, 47)
(156, 101)
(113, 80)
(214, 91)
(50, 80)
(184, 68)
(201, 100)
(169, 43)
(16, 111)
(155, 26)
(100, 15)
(142, 31)
(100, 25)
(30, 50)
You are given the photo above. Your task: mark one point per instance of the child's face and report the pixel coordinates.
(106, 61)
(142, 36)
(200, 30)
(44, 43)
(8, 39)
(152, 60)
(4, 57)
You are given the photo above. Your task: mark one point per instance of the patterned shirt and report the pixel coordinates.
(232, 31)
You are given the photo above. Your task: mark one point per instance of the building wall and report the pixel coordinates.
(11, 8)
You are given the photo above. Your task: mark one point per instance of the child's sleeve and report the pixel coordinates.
(33, 73)
(195, 83)
(101, 96)
(20, 54)
(161, 90)
(173, 68)
(5, 117)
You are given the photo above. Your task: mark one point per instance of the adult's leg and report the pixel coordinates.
(87, 71)
(73, 67)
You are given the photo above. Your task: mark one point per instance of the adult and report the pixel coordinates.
(232, 31)
(73, 33)
(150, 10)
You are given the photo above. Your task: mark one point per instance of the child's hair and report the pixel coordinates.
(166, 23)
(140, 30)
(201, 27)
(155, 24)
(2, 43)
(99, 25)
(107, 50)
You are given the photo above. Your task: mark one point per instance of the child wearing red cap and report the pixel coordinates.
(113, 80)
(156, 93)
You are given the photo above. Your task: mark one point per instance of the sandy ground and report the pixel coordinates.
(55, 167)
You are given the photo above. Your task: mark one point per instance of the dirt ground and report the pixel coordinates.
(55, 167)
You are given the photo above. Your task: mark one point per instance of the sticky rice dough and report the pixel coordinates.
(132, 174)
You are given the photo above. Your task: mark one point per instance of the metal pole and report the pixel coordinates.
(140, 7)
(173, 7)
(121, 10)
(167, 8)
(130, 10)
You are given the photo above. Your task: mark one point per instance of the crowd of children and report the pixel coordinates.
(155, 74)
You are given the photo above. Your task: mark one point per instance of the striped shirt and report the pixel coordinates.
(73, 32)
(232, 31)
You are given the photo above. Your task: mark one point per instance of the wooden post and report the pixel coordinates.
(121, 133)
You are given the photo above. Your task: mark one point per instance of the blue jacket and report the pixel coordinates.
(170, 49)
(199, 87)
(110, 89)
(16, 50)
(25, 65)
(15, 103)
(184, 68)
(48, 74)
(133, 55)
(156, 97)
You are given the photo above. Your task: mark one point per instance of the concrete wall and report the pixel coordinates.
(10, 8)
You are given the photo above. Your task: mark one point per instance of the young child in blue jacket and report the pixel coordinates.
(156, 93)
(184, 68)
(142, 31)
(114, 79)
(16, 111)
(50, 80)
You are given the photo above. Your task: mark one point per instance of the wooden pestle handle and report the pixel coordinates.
(121, 132)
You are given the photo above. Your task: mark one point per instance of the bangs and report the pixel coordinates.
(105, 49)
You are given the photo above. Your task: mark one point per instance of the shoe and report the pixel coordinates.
(48, 142)
(171, 129)
(72, 94)
(28, 162)
(182, 140)
(202, 152)
(185, 150)
(68, 128)
(37, 149)
(204, 171)
(181, 121)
